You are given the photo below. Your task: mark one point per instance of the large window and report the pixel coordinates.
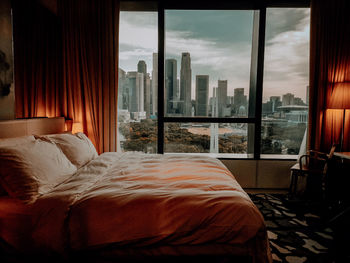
(229, 83)
(286, 78)
(207, 62)
(138, 84)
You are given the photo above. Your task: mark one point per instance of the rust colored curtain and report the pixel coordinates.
(37, 60)
(329, 64)
(90, 67)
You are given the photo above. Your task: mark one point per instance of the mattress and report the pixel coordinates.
(152, 204)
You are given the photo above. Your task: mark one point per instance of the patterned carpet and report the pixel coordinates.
(297, 231)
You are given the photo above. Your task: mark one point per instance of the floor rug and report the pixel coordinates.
(297, 232)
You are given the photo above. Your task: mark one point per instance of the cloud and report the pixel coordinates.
(139, 30)
(286, 52)
(209, 57)
(286, 59)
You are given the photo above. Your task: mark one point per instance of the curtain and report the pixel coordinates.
(90, 67)
(37, 61)
(329, 64)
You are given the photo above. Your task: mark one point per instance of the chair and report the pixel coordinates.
(313, 164)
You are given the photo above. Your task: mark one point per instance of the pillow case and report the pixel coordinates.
(77, 147)
(33, 168)
(16, 140)
(13, 142)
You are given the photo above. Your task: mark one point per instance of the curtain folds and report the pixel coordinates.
(37, 60)
(90, 67)
(329, 63)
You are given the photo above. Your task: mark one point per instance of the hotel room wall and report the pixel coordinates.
(7, 96)
(264, 174)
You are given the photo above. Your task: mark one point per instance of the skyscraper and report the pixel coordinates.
(123, 93)
(222, 97)
(239, 100)
(136, 92)
(170, 84)
(202, 93)
(142, 68)
(185, 84)
(288, 99)
(275, 102)
(147, 99)
(154, 90)
(214, 127)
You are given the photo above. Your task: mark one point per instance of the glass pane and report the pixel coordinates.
(214, 138)
(138, 81)
(286, 81)
(207, 62)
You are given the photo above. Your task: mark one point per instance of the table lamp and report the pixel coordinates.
(340, 99)
(77, 127)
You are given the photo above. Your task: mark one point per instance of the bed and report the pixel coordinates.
(60, 198)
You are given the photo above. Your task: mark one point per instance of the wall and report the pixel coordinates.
(265, 174)
(7, 94)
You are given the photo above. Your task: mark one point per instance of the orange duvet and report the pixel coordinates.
(163, 204)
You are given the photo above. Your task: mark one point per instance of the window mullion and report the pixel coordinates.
(161, 43)
(259, 82)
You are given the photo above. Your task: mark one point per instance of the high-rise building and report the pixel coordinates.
(147, 99)
(298, 101)
(154, 90)
(202, 93)
(214, 127)
(123, 96)
(170, 84)
(239, 100)
(142, 68)
(136, 92)
(288, 99)
(186, 84)
(222, 97)
(275, 102)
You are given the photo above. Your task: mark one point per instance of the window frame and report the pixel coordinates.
(257, 65)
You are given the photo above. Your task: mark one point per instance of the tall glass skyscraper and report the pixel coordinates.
(170, 83)
(202, 94)
(222, 97)
(136, 91)
(154, 101)
(142, 68)
(186, 84)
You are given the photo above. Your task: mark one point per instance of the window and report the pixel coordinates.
(286, 78)
(207, 62)
(138, 84)
(207, 74)
(216, 94)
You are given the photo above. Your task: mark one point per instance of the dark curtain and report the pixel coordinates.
(329, 64)
(37, 60)
(90, 67)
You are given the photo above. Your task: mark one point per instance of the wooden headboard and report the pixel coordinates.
(39, 126)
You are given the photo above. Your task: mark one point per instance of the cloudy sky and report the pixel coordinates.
(220, 46)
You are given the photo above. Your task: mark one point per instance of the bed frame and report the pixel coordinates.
(24, 127)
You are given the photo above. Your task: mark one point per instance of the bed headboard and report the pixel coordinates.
(39, 126)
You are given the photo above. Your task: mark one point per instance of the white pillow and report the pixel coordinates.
(16, 140)
(33, 168)
(77, 147)
(12, 142)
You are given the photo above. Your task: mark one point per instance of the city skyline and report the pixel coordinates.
(290, 72)
(138, 87)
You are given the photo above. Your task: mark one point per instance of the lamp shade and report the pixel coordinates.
(340, 98)
(77, 127)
